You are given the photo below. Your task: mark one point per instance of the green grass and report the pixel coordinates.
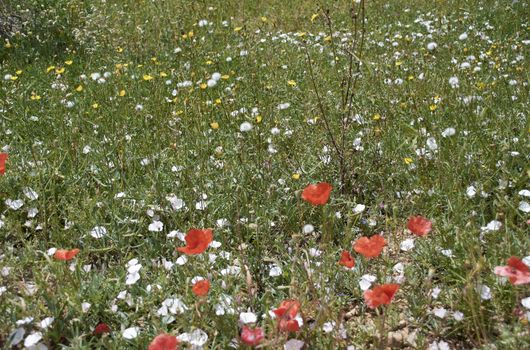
(168, 147)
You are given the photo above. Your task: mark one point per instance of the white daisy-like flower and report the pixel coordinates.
(407, 245)
(32, 339)
(366, 281)
(275, 271)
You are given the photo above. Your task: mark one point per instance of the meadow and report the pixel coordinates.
(264, 174)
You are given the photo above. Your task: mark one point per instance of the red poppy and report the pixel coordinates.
(287, 313)
(3, 158)
(164, 342)
(201, 288)
(419, 225)
(196, 241)
(101, 328)
(516, 271)
(369, 247)
(317, 194)
(64, 254)
(380, 295)
(347, 260)
(251, 336)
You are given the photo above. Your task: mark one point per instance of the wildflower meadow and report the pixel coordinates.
(272, 174)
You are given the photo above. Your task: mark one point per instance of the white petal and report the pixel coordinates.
(130, 333)
(32, 339)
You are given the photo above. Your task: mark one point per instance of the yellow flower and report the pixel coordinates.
(7, 45)
(328, 38)
(315, 15)
(163, 74)
(69, 62)
(259, 118)
(95, 105)
(79, 88)
(154, 59)
(209, 62)
(18, 72)
(376, 116)
(411, 77)
(218, 101)
(225, 77)
(190, 34)
(398, 63)
(34, 96)
(59, 70)
(433, 107)
(13, 78)
(147, 77)
(296, 176)
(203, 86)
(49, 69)
(119, 50)
(407, 160)
(263, 19)
(403, 105)
(237, 29)
(119, 66)
(291, 83)
(121, 93)
(214, 125)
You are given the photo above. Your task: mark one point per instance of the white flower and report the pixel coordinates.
(32, 339)
(283, 106)
(484, 291)
(275, 131)
(448, 132)
(211, 83)
(176, 203)
(181, 260)
(14, 204)
(407, 245)
(471, 191)
(87, 149)
(441, 345)
(458, 316)
(435, 292)
(24, 321)
(492, 226)
(201, 205)
(130, 333)
(308, 228)
(16, 336)
(462, 36)
(203, 23)
(30, 193)
(293, 344)
(248, 317)
(275, 271)
(196, 338)
(524, 193)
(156, 226)
(245, 126)
(328, 326)
(454, 82)
(524, 207)
(98, 232)
(440, 312)
(431, 144)
(359, 208)
(47, 322)
(366, 281)
(216, 76)
(526, 302)
(432, 46)
(85, 306)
